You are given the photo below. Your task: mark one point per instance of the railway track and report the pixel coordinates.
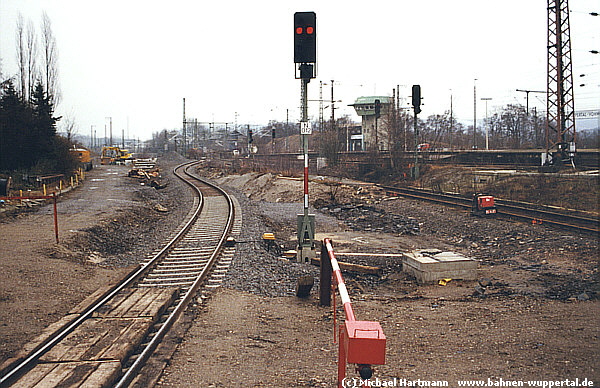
(107, 340)
(573, 220)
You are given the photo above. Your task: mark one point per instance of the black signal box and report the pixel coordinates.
(305, 37)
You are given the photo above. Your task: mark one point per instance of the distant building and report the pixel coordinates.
(374, 132)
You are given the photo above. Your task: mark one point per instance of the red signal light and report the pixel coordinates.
(305, 37)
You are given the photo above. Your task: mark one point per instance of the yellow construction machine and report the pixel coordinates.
(114, 155)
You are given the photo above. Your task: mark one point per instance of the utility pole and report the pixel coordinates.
(398, 112)
(527, 104)
(527, 97)
(560, 112)
(110, 139)
(487, 124)
(474, 112)
(451, 118)
(321, 119)
(332, 109)
(377, 113)
(184, 129)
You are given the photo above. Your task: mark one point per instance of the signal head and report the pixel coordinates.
(305, 37)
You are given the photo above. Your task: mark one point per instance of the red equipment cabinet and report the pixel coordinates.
(483, 205)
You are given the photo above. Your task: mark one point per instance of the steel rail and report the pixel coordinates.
(511, 209)
(28, 362)
(134, 369)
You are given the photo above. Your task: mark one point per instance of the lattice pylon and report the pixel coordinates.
(560, 127)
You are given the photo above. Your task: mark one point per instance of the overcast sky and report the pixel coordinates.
(135, 61)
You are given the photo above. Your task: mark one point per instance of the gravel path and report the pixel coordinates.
(107, 225)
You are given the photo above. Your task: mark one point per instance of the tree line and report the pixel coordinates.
(28, 133)
(509, 127)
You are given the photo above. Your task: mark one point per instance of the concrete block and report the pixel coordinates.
(431, 265)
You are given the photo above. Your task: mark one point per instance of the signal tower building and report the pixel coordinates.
(375, 133)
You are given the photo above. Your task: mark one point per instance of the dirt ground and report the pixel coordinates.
(537, 320)
(106, 226)
(30, 270)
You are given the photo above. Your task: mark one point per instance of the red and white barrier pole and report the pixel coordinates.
(339, 281)
(360, 342)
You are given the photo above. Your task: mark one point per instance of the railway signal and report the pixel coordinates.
(305, 37)
(305, 54)
(416, 98)
(416, 103)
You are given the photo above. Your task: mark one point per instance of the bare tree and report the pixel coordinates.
(69, 127)
(31, 57)
(26, 57)
(50, 60)
(21, 55)
(509, 127)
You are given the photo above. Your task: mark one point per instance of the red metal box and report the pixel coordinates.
(365, 343)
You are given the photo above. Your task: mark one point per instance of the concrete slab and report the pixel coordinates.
(431, 265)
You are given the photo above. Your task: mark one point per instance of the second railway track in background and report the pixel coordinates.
(106, 340)
(572, 220)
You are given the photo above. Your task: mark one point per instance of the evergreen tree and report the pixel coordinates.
(43, 128)
(14, 117)
(28, 136)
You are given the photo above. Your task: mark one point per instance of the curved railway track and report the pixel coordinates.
(107, 342)
(516, 210)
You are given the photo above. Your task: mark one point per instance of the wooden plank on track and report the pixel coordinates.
(99, 339)
(72, 374)
(55, 376)
(72, 347)
(128, 340)
(93, 298)
(115, 301)
(33, 377)
(38, 341)
(143, 303)
(105, 375)
(68, 375)
(122, 308)
(160, 303)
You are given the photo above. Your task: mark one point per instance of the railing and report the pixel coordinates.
(360, 342)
